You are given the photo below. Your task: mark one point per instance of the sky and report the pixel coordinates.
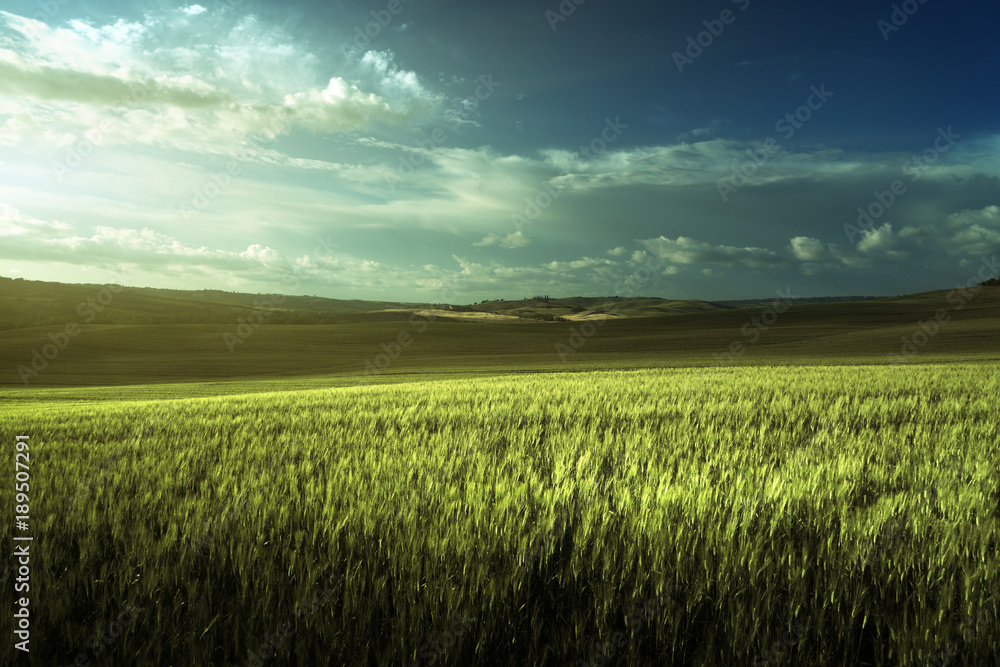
(454, 151)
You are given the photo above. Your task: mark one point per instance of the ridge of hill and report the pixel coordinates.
(33, 303)
(941, 326)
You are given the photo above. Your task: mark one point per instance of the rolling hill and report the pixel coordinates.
(150, 338)
(28, 303)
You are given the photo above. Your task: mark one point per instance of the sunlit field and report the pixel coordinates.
(426, 333)
(797, 515)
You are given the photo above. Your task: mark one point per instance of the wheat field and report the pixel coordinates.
(758, 515)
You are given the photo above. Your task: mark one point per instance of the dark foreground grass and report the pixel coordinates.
(820, 516)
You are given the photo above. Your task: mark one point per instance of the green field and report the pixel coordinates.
(636, 496)
(855, 511)
(185, 349)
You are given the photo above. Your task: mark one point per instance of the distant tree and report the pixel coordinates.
(992, 282)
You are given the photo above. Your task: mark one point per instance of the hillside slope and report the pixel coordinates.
(387, 350)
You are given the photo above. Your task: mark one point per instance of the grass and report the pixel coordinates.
(805, 334)
(750, 515)
(511, 492)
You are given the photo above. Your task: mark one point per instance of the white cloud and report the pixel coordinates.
(220, 86)
(975, 232)
(684, 250)
(582, 263)
(13, 223)
(808, 249)
(198, 81)
(340, 107)
(880, 240)
(19, 77)
(516, 239)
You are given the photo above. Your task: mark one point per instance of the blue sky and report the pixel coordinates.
(458, 151)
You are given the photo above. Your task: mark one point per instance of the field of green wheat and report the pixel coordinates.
(760, 516)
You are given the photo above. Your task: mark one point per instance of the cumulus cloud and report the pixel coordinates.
(14, 223)
(146, 250)
(808, 249)
(975, 232)
(516, 239)
(880, 240)
(196, 88)
(967, 232)
(190, 79)
(390, 78)
(340, 107)
(143, 246)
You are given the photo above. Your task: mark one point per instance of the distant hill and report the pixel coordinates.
(582, 308)
(30, 303)
(149, 336)
(754, 303)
